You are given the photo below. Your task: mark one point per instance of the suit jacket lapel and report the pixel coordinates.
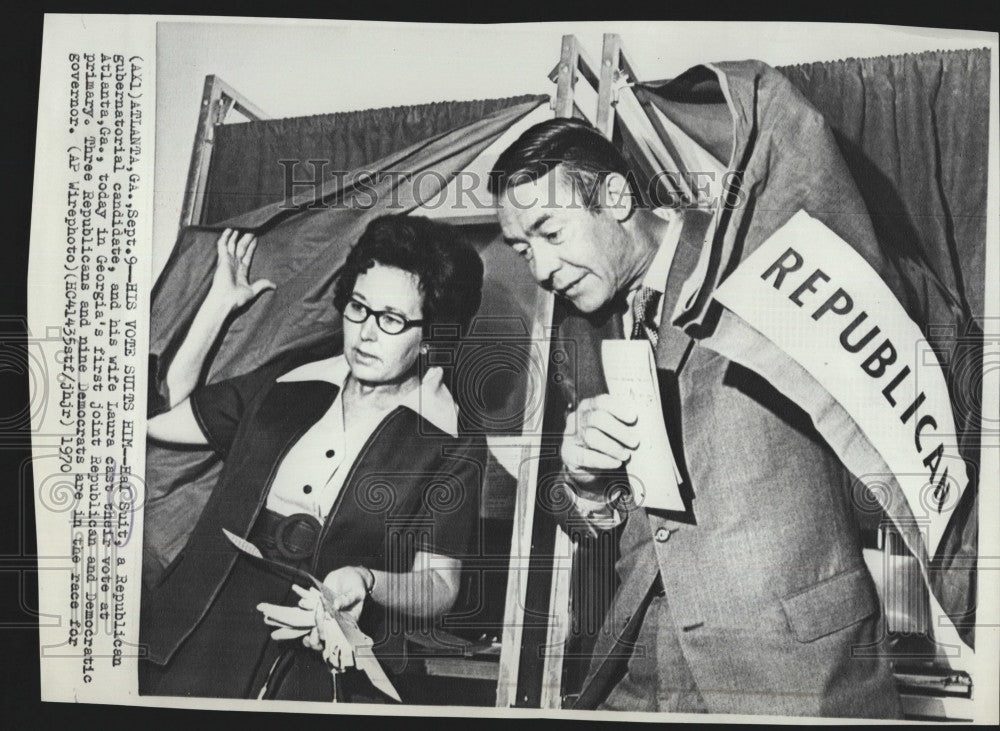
(674, 345)
(673, 342)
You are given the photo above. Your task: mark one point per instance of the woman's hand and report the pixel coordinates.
(310, 621)
(351, 585)
(231, 284)
(230, 290)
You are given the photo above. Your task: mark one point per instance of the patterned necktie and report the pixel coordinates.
(644, 310)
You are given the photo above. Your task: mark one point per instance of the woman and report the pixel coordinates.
(351, 468)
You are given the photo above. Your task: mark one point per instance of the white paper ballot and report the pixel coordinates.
(630, 371)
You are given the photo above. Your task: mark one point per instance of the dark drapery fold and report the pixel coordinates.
(895, 163)
(245, 173)
(300, 247)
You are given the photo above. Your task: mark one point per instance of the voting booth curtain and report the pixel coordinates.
(247, 171)
(897, 167)
(302, 241)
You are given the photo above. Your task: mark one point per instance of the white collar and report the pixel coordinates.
(431, 399)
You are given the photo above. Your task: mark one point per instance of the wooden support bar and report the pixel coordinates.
(588, 70)
(564, 554)
(623, 63)
(566, 76)
(583, 64)
(200, 154)
(564, 549)
(653, 157)
(511, 651)
(606, 94)
(225, 106)
(524, 518)
(217, 100)
(647, 162)
(659, 153)
(241, 103)
(458, 667)
(559, 620)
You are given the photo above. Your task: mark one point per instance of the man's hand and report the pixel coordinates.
(602, 437)
(230, 283)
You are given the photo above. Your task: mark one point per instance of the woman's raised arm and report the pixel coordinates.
(230, 290)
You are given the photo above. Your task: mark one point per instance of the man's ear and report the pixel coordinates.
(617, 196)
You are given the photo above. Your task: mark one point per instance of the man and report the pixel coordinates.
(756, 598)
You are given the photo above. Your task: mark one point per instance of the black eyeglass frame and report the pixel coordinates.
(378, 315)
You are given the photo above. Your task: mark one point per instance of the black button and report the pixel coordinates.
(307, 489)
(330, 453)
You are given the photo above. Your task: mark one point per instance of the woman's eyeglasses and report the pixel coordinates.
(388, 322)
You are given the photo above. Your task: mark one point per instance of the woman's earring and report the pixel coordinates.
(423, 348)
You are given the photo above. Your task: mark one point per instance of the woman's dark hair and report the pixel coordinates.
(582, 153)
(449, 270)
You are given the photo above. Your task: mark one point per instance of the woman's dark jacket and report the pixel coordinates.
(413, 487)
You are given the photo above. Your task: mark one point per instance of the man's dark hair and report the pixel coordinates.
(583, 153)
(448, 269)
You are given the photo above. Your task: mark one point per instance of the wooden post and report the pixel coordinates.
(565, 551)
(564, 548)
(527, 483)
(566, 76)
(511, 689)
(217, 99)
(524, 520)
(610, 62)
(511, 650)
(563, 558)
